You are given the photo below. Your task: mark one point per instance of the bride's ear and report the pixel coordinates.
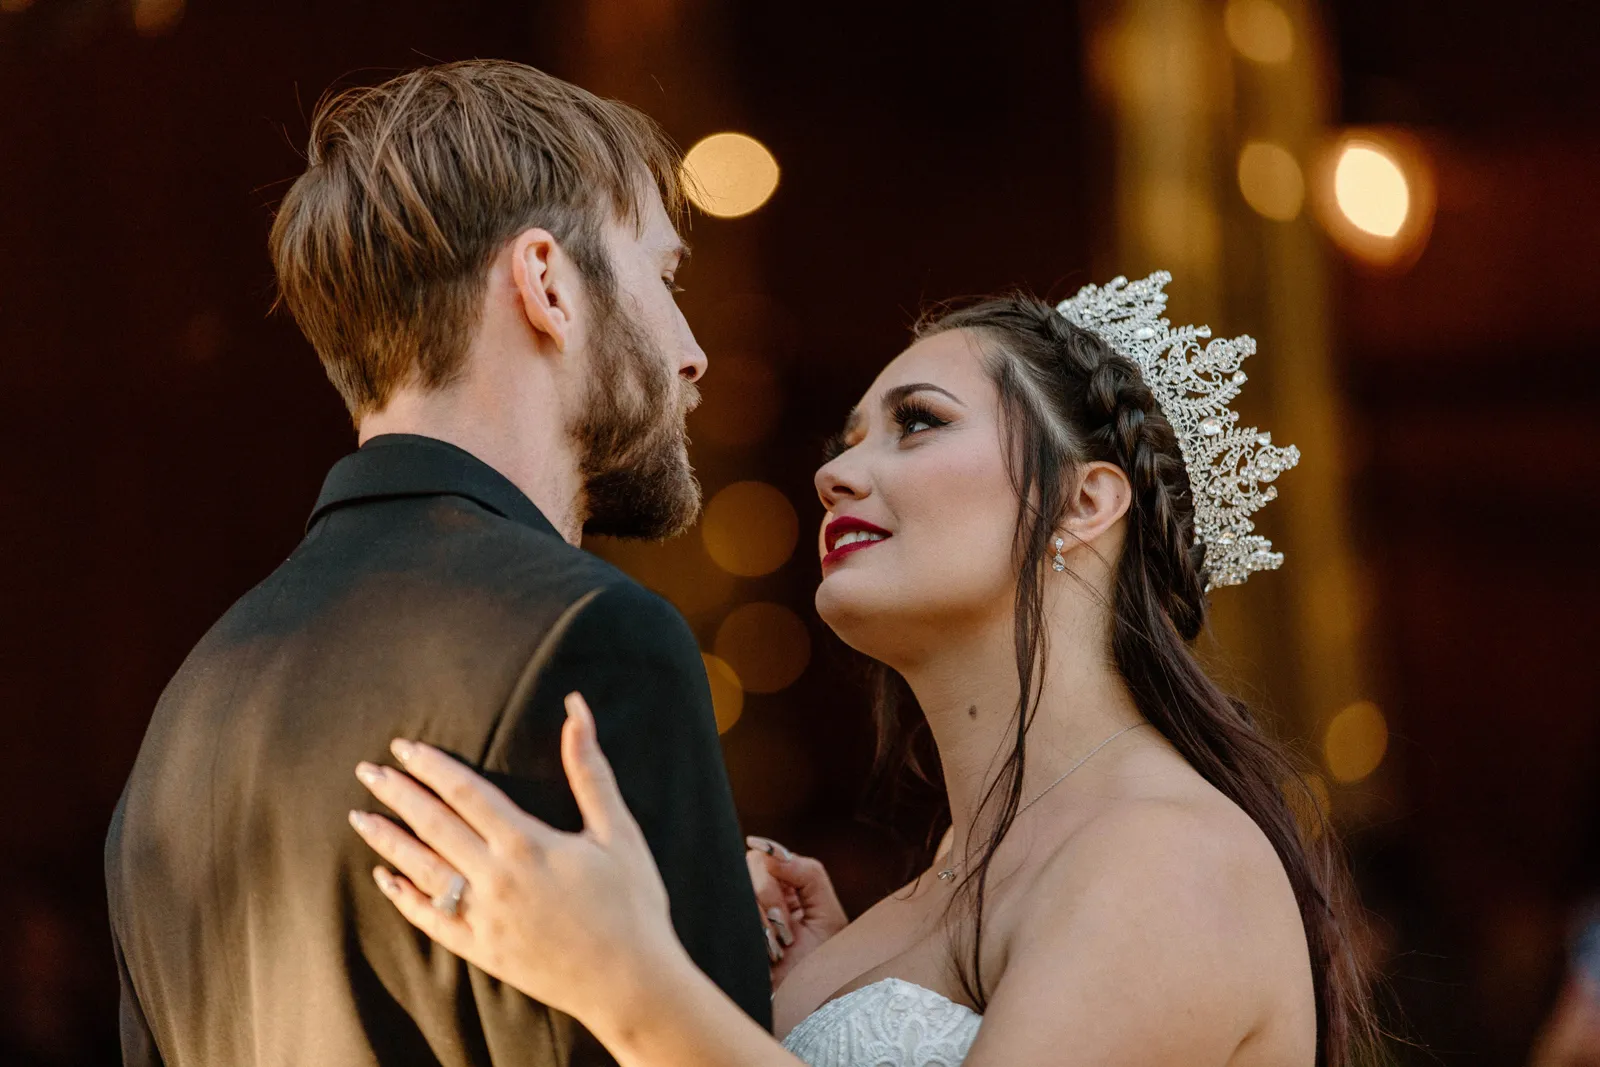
(1101, 497)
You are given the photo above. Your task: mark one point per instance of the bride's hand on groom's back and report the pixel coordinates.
(572, 920)
(799, 908)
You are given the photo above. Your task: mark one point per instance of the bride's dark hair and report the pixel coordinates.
(1068, 399)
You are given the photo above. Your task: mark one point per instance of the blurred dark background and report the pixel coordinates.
(1429, 647)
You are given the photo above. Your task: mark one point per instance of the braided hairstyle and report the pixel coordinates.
(1068, 399)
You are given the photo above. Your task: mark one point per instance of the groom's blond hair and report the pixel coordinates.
(382, 246)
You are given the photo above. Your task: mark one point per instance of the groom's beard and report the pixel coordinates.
(633, 447)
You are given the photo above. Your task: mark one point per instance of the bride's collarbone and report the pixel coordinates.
(906, 935)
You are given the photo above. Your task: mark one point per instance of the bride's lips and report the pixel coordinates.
(846, 524)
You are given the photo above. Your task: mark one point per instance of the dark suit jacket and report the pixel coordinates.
(430, 599)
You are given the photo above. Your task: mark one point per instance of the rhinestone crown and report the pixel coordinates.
(1193, 383)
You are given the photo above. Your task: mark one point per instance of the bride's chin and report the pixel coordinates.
(856, 612)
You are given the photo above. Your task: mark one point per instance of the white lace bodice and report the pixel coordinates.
(891, 1023)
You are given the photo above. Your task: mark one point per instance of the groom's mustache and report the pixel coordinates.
(691, 397)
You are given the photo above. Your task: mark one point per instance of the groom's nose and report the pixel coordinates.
(693, 366)
(692, 359)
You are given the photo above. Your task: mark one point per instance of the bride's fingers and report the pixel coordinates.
(589, 773)
(431, 822)
(488, 811)
(451, 931)
(409, 856)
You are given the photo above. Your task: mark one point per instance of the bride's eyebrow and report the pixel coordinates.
(891, 399)
(894, 396)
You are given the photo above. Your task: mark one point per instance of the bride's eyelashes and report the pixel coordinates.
(910, 418)
(911, 414)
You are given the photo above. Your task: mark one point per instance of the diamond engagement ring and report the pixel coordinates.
(449, 901)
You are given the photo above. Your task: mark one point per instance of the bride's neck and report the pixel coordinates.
(968, 690)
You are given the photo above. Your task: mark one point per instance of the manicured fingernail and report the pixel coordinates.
(359, 820)
(774, 953)
(369, 773)
(578, 708)
(781, 925)
(770, 847)
(385, 881)
(403, 750)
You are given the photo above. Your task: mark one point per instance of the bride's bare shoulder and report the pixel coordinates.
(1165, 905)
(1186, 861)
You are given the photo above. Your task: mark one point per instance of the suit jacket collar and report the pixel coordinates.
(402, 465)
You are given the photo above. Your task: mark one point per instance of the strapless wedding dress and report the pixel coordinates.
(891, 1023)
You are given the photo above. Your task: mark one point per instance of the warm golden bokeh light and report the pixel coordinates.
(750, 529)
(727, 695)
(1355, 741)
(1259, 30)
(14, 7)
(678, 569)
(729, 174)
(1371, 189)
(1270, 180)
(766, 644)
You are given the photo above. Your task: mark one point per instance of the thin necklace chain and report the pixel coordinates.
(950, 872)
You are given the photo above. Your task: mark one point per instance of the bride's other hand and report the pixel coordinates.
(568, 919)
(798, 906)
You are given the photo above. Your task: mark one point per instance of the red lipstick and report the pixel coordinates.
(846, 524)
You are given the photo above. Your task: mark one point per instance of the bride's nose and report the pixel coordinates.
(840, 479)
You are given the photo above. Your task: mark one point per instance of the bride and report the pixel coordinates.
(1025, 514)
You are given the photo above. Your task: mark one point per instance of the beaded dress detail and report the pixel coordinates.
(892, 1023)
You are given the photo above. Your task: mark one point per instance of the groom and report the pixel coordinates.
(483, 257)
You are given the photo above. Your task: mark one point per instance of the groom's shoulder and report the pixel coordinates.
(602, 602)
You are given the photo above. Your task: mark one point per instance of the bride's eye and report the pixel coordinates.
(671, 283)
(913, 418)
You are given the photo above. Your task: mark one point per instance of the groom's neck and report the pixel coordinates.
(515, 426)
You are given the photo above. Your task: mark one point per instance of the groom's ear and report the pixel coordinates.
(546, 279)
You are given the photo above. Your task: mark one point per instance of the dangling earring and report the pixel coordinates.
(1060, 562)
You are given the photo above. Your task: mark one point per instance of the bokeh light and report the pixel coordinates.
(1270, 180)
(1355, 741)
(727, 694)
(1259, 30)
(678, 569)
(1371, 189)
(729, 174)
(750, 529)
(767, 645)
